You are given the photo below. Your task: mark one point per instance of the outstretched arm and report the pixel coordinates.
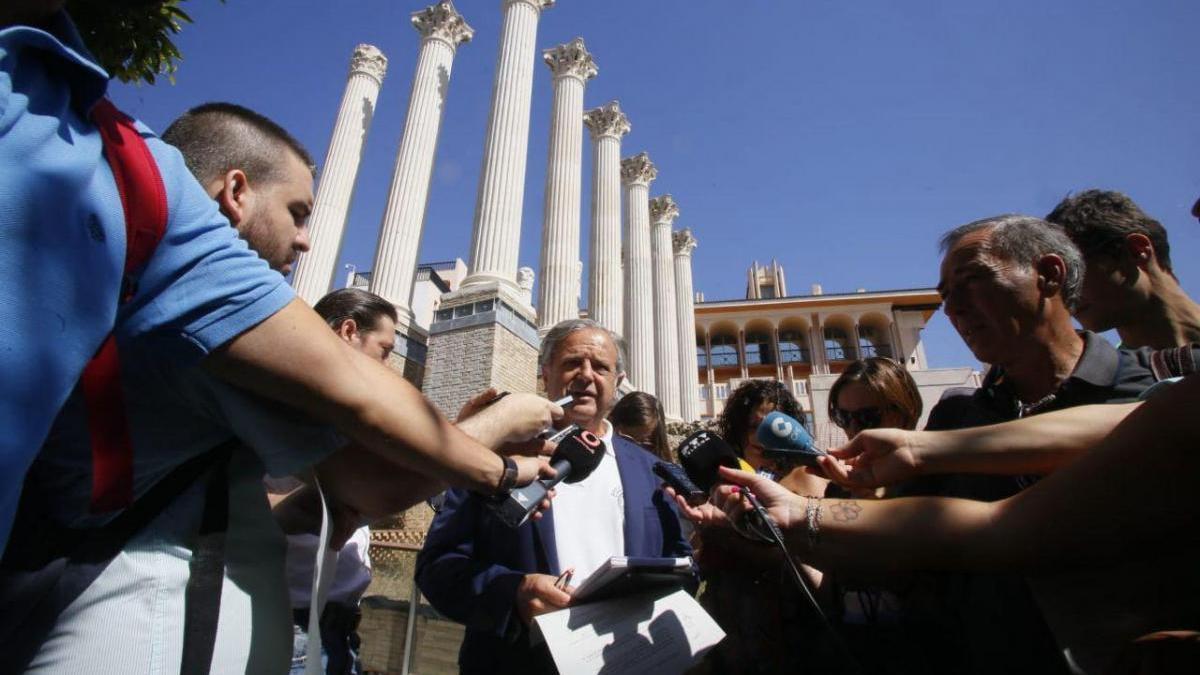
(294, 358)
(1039, 444)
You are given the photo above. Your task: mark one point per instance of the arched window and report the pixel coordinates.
(724, 350)
(871, 342)
(758, 348)
(792, 347)
(837, 345)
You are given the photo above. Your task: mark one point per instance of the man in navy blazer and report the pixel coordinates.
(494, 579)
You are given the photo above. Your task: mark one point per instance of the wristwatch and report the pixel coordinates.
(509, 478)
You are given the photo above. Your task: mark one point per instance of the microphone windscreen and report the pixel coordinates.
(701, 454)
(583, 450)
(783, 432)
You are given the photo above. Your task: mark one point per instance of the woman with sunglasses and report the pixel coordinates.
(872, 393)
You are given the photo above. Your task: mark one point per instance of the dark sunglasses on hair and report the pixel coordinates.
(865, 418)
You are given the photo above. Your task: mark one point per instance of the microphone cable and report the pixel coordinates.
(777, 537)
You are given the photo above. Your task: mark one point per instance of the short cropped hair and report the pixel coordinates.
(889, 381)
(354, 303)
(562, 329)
(1024, 240)
(216, 138)
(1099, 220)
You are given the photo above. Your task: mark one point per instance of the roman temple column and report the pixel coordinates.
(496, 235)
(663, 212)
(442, 29)
(685, 312)
(314, 269)
(607, 125)
(558, 295)
(637, 173)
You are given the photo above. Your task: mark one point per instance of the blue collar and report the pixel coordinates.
(60, 39)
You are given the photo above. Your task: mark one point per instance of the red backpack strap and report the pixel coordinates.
(144, 201)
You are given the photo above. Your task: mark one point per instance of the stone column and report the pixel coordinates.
(637, 172)
(496, 235)
(558, 294)
(605, 285)
(685, 312)
(314, 269)
(442, 29)
(663, 212)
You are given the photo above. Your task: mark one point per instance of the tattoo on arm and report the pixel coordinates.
(845, 511)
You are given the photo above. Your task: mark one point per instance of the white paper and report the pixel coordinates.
(323, 570)
(638, 634)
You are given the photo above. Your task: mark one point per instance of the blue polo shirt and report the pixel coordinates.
(62, 248)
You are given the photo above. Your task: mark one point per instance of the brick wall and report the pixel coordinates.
(458, 366)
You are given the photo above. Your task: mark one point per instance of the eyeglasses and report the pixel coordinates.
(865, 418)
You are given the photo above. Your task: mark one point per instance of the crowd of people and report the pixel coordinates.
(195, 440)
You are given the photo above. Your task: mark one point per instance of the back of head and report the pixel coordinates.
(734, 422)
(1099, 220)
(1024, 240)
(216, 138)
(887, 379)
(638, 411)
(353, 303)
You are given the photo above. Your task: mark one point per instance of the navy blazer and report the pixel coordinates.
(471, 564)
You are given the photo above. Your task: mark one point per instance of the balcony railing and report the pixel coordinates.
(791, 354)
(724, 359)
(871, 351)
(840, 354)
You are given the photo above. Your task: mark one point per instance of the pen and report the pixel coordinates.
(565, 401)
(564, 579)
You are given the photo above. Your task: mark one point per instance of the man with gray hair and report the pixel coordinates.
(493, 579)
(1008, 285)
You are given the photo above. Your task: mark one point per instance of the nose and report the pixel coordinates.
(302, 243)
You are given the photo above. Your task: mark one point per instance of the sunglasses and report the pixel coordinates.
(865, 418)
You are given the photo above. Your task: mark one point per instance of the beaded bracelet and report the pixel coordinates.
(812, 519)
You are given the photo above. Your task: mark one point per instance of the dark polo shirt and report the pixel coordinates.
(990, 623)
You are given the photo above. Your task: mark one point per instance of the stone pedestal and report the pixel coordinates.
(663, 212)
(685, 312)
(605, 285)
(496, 235)
(314, 269)
(637, 172)
(442, 29)
(482, 336)
(558, 294)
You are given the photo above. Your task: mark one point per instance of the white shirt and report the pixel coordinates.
(589, 516)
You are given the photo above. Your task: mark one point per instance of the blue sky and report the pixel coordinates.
(839, 137)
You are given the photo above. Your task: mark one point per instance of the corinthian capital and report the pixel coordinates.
(442, 22)
(539, 5)
(663, 209)
(571, 60)
(638, 170)
(369, 60)
(607, 120)
(683, 241)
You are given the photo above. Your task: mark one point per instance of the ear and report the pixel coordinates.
(348, 330)
(233, 196)
(620, 379)
(1051, 272)
(1139, 248)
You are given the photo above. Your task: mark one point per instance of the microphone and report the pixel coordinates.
(700, 455)
(576, 457)
(785, 440)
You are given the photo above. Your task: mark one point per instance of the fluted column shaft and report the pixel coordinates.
(496, 235)
(606, 287)
(442, 30)
(666, 329)
(639, 285)
(558, 293)
(314, 269)
(685, 312)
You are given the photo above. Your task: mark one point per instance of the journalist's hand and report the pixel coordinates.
(704, 515)
(530, 469)
(786, 507)
(875, 458)
(537, 595)
(511, 423)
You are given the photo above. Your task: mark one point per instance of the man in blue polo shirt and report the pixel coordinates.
(214, 347)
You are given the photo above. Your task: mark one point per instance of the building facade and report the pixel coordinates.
(806, 341)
